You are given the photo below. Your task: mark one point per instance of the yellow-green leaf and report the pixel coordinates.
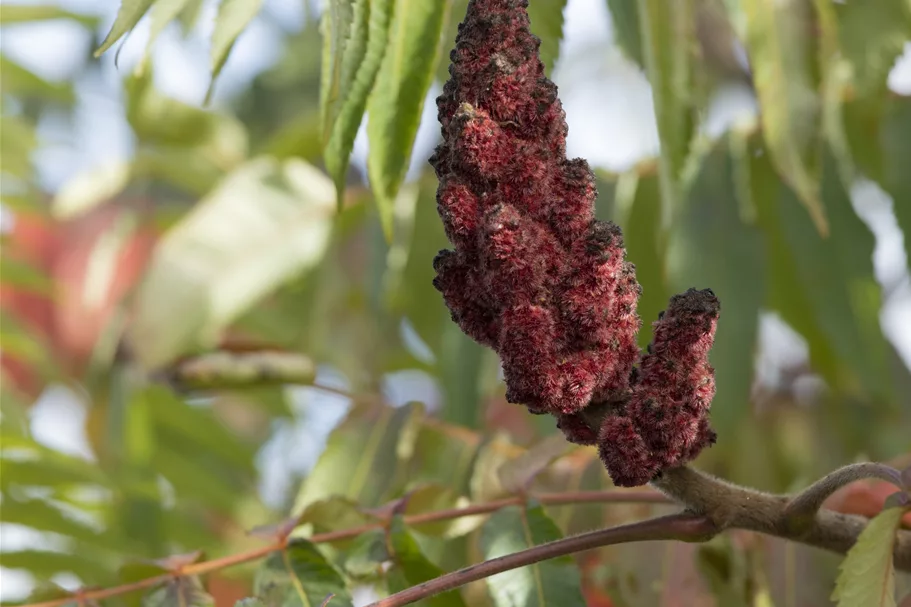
(233, 16)
(667, 35)
(398, 97)
(867, 576)
(782, 60)
(131, 11)
(267, 222)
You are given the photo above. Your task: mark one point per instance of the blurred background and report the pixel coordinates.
(132, 207)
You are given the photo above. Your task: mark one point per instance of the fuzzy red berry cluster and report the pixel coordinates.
(536, 277)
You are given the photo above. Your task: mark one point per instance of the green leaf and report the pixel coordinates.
(460, 364)
(637, 210)
(415, 567)
(25, 13)
(267, 222)
(233, 16)
(17, 141)
(300, 575)
(250, 602)
(867, 577)
(179, 592)
(362, 459)
(454, 17)
(444, 454)
(398, 98)
(356, 38)
(42, 515)
(24, 277)
(163, 13)
(627, 33)
(872, 37)
(131, 11)
(332, 514)
(786, 293)
(711, 247)
(44, 564)
(86, 190)
(896, 150)
(546, 18)
(20, 82)
(364, 559)
(516, 475)
(667, 34)
(782, 59)
(552, 582)
(837, 277)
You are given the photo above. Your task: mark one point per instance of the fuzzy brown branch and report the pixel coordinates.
(552, 499)
(733, 507)
(681, 527)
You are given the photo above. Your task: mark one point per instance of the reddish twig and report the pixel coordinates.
(552, 499)
(681, 527)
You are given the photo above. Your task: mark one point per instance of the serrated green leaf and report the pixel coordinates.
(131, 11)
(711, 247)
(867, 577)
(627, 32)
(872, 37)
(349, 73)
(179, 592)
(267, 222)
(337, 29)
(415, 567)
(552, 582)
(233, 16)
(25, 13)
(397, 100)
(362, 457)
(546, 18)
(782, 59)
(667, 35)
(300, 576)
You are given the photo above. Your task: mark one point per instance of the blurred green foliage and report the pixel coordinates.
(261, 235)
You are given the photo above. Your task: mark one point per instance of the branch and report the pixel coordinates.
(712, 506)
(804, 506)
(552, 499)
(242, 369)
(733, 507)
(681, 527)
